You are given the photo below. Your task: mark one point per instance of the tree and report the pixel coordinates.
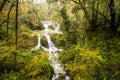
(112, 15)
(8, 17)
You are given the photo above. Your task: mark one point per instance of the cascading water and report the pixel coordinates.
(57, 29)
(39, 44)
(53, 52)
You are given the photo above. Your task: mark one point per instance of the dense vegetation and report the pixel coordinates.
(91, 39)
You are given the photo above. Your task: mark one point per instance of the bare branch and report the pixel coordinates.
(1, 7)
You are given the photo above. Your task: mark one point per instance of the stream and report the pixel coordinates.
(53, 51)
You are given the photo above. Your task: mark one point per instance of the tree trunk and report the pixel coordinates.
(16, 34)
(93, 16)
(16, 25)
(8, 16)
(113, 16)
(96, 14)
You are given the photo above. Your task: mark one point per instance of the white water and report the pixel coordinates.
(53, 52)
(57, 29)
(39, 44)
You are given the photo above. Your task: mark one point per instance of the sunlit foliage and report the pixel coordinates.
(90, 39)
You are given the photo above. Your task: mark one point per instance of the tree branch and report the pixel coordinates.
(1, 7)
(12, 5)
(75, 2)
(102, 15)
(2, 23)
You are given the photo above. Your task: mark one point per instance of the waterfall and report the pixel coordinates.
(38, 44)
(53, 52)
(46, 27)
(57, 29)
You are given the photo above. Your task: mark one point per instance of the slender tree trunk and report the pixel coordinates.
(96, 14)
(16, 34)
(8, 17)
(16, 27)
(113, 16)
(93, 16)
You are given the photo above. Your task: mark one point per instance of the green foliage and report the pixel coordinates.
(91, 49)
(51, 1)
(29, 66)
(38, 66)
(11, 76)
(81, 63)
(66, 21)
(2, 34)
(97, 59)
